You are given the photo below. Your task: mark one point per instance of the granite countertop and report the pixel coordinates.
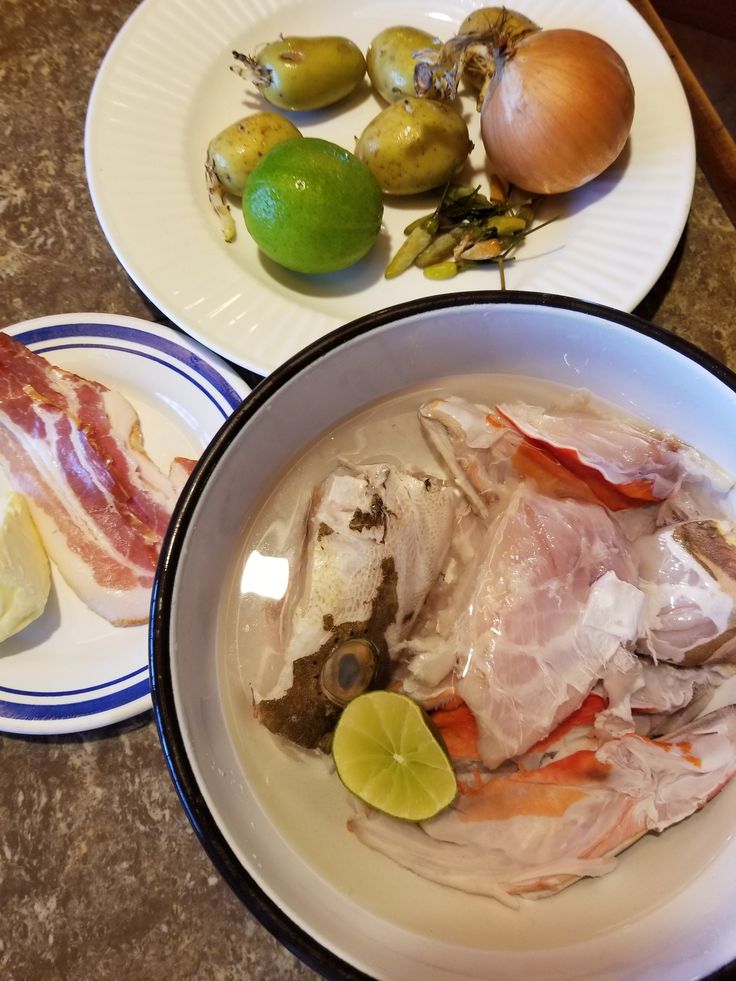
(101, 876)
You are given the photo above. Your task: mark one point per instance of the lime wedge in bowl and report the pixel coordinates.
(386, 753)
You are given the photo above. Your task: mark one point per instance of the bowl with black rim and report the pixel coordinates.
(270, 827)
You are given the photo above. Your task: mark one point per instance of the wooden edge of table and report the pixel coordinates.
(715, 147)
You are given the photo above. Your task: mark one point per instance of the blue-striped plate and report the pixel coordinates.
(70, 670)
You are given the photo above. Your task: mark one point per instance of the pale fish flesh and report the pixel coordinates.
(671, 696)
(551, 601)
(533, 833)
(688, 574)
(376, 539)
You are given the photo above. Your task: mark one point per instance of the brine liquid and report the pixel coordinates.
(387, 432)
(299, 790)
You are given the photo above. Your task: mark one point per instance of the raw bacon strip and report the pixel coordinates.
(75, 449)
(622, 464)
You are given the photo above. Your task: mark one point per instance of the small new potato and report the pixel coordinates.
(238, 148)
(414, 145)
(304, 73)
(390, 60)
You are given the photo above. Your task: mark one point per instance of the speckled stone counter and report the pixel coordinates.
(101, 876)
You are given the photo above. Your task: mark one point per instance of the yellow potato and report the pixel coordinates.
(304, 73)
(414, 145)
(235, 151)
(390, 60)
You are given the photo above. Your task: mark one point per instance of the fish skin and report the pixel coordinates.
(617, 458)
(376, 539)
(534, 833)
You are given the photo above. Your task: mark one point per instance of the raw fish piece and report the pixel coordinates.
(706, 491)
(551, 602)
(622, 463)
(688, 574)
(426, 672)
(376, 539)
(668, 689)
(489, 461)
(533, 833)
(488, 458)
(671, 696)
(636, 695)
(576, 732)
(477, 451)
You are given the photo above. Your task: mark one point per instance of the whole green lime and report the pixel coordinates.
(312, 206)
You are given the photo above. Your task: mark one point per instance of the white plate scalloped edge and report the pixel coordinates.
(154, 108)
(70, 670)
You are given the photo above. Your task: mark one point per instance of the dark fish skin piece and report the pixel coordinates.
(304, 714)
(707, 542)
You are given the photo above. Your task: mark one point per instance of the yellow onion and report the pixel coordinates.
(558, 110)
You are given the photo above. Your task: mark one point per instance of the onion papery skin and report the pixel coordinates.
(558, 111)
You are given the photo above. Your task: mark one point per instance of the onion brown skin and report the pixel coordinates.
(558, 111)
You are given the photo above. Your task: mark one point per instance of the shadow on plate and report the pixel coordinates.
(37, 632)
(345, 282)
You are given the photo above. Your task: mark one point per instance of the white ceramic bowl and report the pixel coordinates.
(346, 911)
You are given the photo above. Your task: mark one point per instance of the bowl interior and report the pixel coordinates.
(274, 824)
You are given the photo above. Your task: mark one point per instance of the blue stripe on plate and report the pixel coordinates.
(118, 332)
(72, 710)
(74, 691)
(224, 412)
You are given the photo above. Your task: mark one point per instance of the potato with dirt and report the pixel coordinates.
(303, 73)
(414, 145)
(236, 150)
(391, 59)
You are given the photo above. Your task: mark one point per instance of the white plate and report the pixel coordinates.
(165, 89)
(70, 670)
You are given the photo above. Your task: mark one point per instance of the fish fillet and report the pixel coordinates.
(535, 832)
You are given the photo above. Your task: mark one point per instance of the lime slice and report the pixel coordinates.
(386, 753)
